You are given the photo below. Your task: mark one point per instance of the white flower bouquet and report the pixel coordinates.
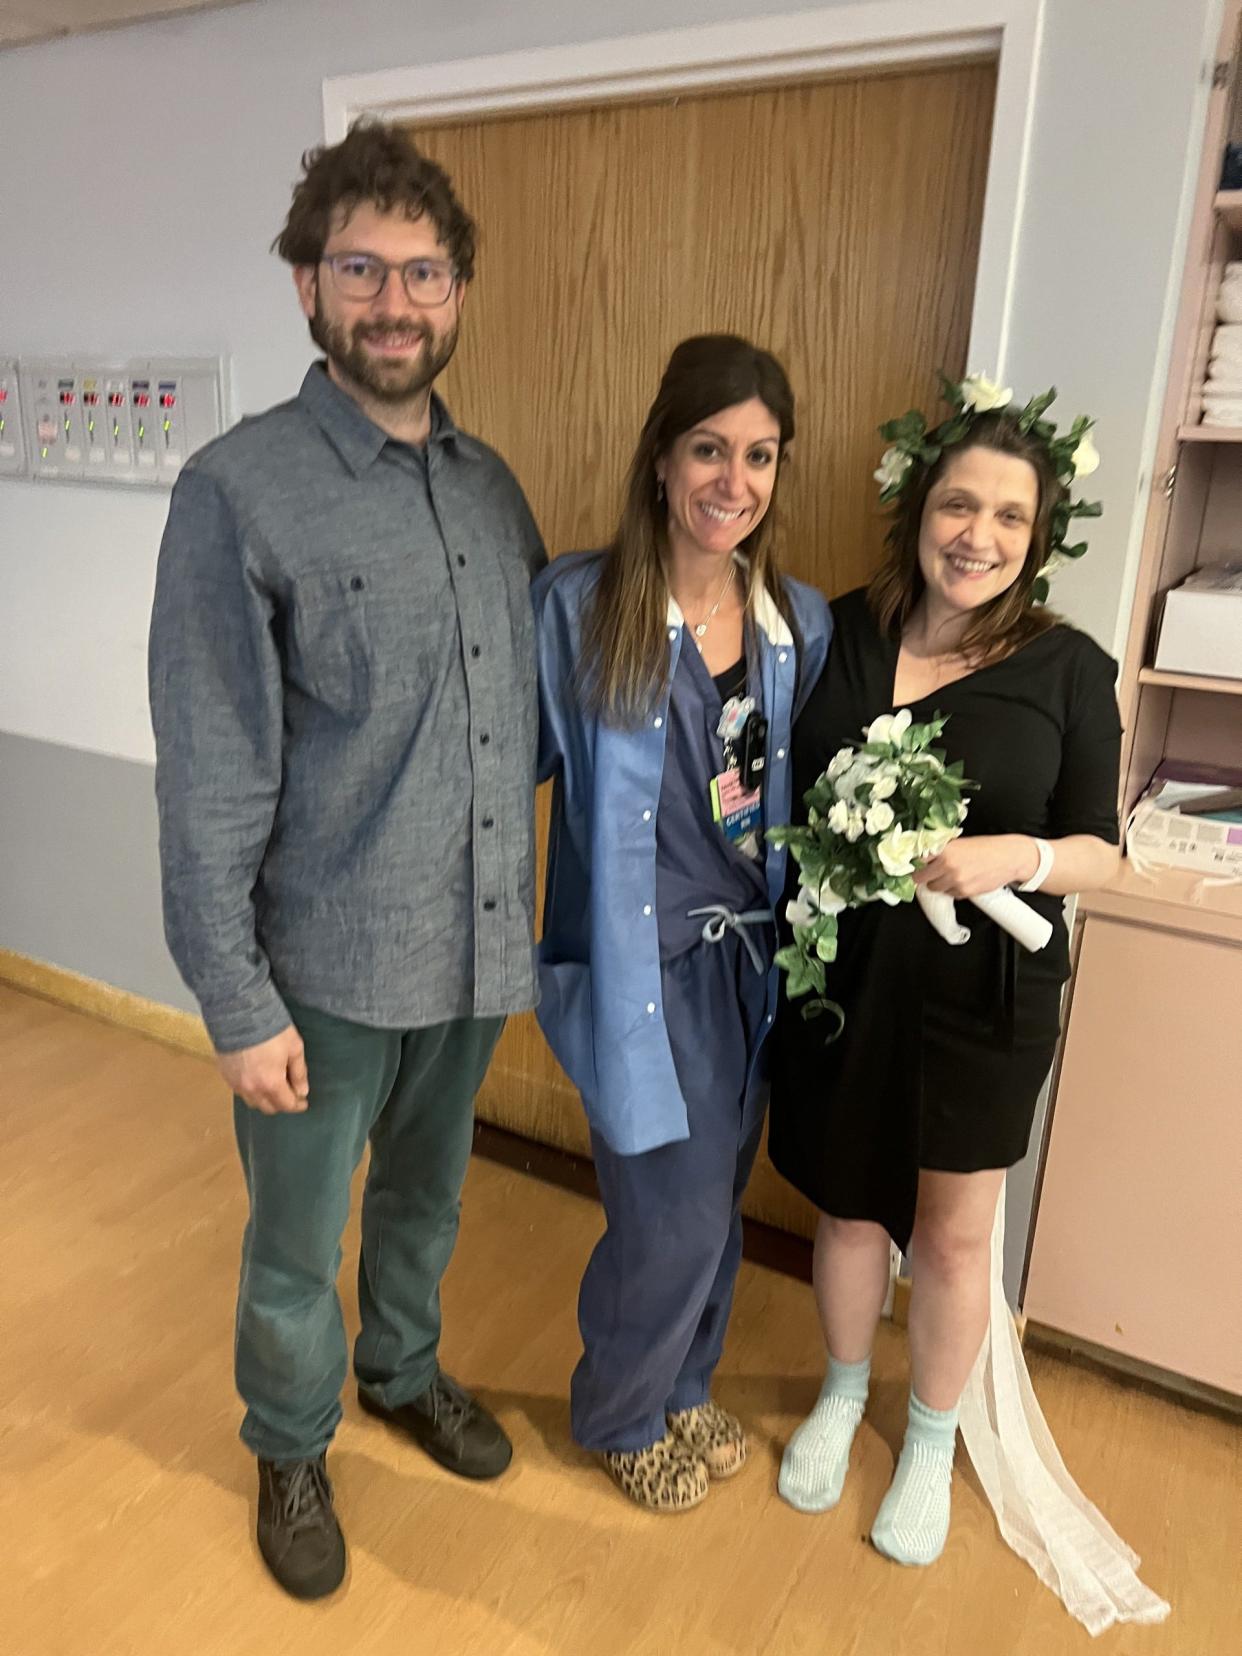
(876, 815)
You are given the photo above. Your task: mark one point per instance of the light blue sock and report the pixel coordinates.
(912, 1524)
(817, 1457)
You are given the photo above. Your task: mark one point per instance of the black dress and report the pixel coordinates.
(945, 1048)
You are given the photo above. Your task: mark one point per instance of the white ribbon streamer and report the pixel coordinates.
(1009, 912)
(1042, 1513)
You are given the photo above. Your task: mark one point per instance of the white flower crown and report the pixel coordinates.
(1073, 455)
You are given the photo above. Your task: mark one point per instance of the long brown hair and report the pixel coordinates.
(624, 663)
(1009, 620)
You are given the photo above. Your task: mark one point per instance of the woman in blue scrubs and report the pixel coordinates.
(671, 666)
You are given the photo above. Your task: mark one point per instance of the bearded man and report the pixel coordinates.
(342, 680)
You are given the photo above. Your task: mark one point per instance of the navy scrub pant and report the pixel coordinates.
(657, 1291)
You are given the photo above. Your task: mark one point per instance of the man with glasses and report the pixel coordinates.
(343, 694)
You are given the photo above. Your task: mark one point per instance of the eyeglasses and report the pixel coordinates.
(427, 282)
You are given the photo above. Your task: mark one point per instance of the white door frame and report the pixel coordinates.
(771, 50)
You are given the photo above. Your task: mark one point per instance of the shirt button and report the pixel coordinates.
(646, 908)
(658, 721)
(461, 562)
(646, 816)
(489, 822)
(672, 635)
(771, 1017)
(484, 739)
(783, 657)
(780, 753)
(357, 584)
(650, 1009)
(489, 903)
(475, 651)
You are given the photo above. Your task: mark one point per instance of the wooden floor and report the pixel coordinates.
(126, 1500)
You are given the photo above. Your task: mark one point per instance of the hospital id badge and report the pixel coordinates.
(734, 807)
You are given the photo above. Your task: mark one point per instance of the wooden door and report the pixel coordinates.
(835, 223)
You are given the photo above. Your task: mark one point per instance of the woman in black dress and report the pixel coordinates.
(904, 1127)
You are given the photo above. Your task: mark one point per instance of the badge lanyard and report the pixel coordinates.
(737, 792)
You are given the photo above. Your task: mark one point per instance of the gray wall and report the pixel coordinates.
(79, 874)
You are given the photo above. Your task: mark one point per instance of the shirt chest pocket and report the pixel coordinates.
(366, 637)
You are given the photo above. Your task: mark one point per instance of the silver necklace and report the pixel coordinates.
(701, 628)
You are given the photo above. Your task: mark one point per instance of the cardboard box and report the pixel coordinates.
(1201, 627)
(1159, 833)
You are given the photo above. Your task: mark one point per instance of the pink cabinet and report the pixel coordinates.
(1136, 1239)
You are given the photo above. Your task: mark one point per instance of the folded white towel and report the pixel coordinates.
(1228, 333)
(1222, 411)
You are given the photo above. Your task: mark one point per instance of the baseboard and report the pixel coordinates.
(1147, 1376)
(100, 1000)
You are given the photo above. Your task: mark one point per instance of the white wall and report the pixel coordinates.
(1118, 134)
(117, 246)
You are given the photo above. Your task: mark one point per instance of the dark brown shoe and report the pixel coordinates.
(299, 1536)
(453, 1427)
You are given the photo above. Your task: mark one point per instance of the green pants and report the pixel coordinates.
(411, 1093)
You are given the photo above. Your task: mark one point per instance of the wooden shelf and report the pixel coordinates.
(1210, 434)
(1191, 681)
(1166, 898)
(1228, 206)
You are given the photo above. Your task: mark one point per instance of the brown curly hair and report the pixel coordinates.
(382, 165)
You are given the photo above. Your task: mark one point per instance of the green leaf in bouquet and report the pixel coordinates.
(802, 973)
(817, 1009)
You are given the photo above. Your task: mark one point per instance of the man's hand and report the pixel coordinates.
(270, 1077)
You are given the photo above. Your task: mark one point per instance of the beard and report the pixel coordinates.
(391, 382)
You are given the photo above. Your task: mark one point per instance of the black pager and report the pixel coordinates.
(753, 751)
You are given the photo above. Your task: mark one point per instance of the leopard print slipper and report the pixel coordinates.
(666, 1477)
(714, 1435)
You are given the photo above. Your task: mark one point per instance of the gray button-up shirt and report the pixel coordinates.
(342, 681)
